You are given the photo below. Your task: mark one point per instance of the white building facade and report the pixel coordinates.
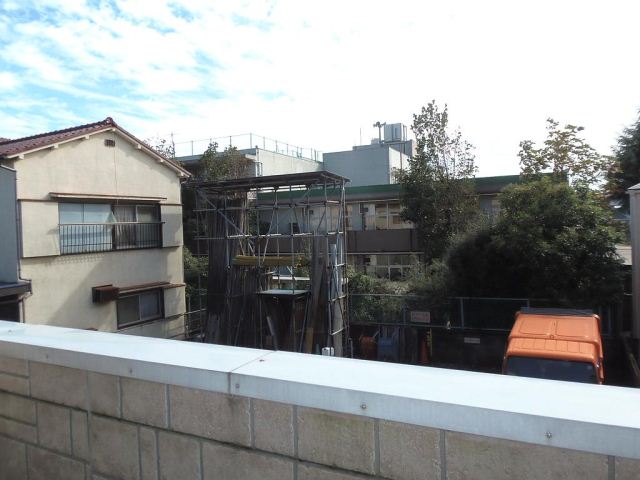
(100, 230)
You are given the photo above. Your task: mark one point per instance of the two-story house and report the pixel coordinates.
(100, 230)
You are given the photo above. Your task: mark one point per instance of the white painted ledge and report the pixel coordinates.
(592, 418)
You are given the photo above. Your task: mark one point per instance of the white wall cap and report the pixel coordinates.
(195, 365)
(594, 418)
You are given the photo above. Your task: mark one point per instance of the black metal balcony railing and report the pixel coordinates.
(104, 237)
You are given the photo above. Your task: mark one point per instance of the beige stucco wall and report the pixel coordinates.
(171, 216)
(87, 166)
(62, 285)
(40, 235)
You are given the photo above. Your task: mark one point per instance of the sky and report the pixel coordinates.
(319, 74)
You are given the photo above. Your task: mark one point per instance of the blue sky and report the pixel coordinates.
(319, 74)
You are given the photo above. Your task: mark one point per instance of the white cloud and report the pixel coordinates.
(316, 73)
(8, 81)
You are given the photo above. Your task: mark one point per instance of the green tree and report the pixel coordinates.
(162, 146)
(437, 189)
(194, 267)
(213, 166)
(565, 154)
(230, 163)
(552, 241)
(373, 299)
(625, 170)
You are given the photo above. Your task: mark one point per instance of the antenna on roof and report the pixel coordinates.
(379, 125)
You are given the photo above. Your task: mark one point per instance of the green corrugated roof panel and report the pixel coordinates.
(484, 185)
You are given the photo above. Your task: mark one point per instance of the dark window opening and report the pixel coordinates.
(566, 370)
(10, 310)
(140, 307)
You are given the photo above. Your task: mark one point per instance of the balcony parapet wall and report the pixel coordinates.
(76, 403)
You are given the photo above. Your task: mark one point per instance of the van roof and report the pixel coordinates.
(568, 337)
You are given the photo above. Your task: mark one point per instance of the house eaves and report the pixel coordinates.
(18, 148)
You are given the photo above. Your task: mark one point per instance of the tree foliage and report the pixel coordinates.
(552, 241)
(230, 163)
(373, 299)
(438, 193)
(213, 166)
(565, 154)
(194, 268)
(625, 170)
(162, 146)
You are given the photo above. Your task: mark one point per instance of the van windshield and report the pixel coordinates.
(582, 372)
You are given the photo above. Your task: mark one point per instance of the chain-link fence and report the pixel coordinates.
(495, 314)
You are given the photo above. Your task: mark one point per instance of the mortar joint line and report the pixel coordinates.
(168, 406)
(89, 423)
(443, 454)
(252, 424)
(376, 443)
(156, 437)
(139, 452)
(200, 449)
(294, 421)
(120, 413)
(611, 467)
(29, 376)
(71, 435)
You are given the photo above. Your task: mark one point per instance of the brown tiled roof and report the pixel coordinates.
(35, 142)
(20, 145)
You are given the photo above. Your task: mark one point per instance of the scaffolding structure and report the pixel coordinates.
(276, 252)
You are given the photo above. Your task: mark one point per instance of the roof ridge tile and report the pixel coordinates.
(107, 121)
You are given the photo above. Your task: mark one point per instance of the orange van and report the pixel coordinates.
(556, 344)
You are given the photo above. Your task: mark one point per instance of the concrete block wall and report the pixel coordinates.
(73, 422)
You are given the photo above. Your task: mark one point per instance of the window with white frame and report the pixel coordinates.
(392, 266)
(140, 307)
(99, 227)
(384, 215)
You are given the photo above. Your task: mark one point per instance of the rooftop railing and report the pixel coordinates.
(246, 141)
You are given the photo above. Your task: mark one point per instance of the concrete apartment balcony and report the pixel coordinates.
(368, 241)
(78, 404)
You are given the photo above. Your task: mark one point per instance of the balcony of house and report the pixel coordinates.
(74, 401)
(105, 237)
(95, 227)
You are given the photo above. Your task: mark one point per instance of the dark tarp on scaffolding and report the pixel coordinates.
(276, 261)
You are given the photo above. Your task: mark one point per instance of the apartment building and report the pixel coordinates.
(379, 243)
(99, 230)
(375, 163)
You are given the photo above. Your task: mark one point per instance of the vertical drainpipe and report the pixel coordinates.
(635, 260)
(19, 241)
